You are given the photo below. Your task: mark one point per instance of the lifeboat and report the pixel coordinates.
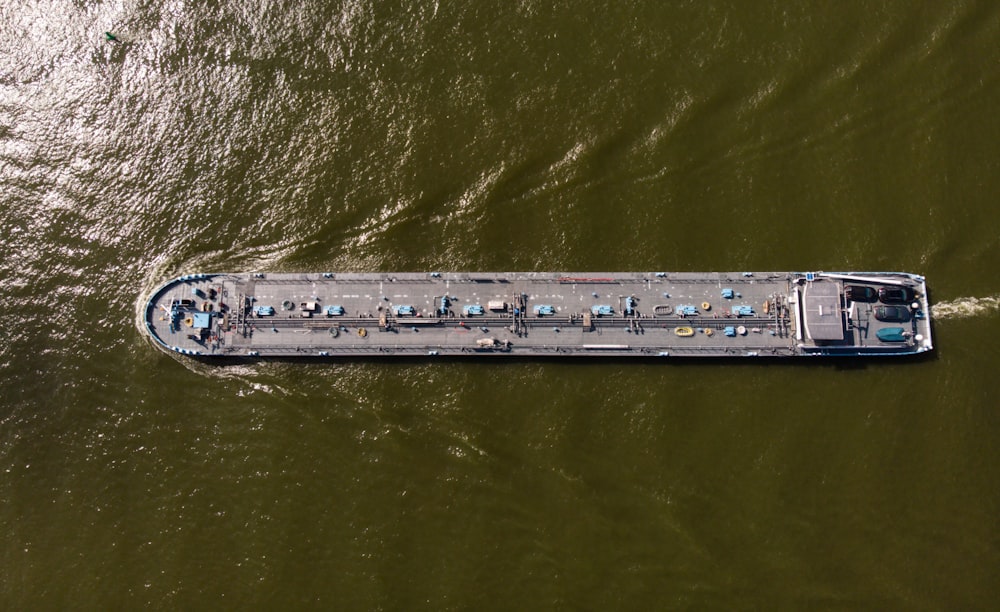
(684, 332)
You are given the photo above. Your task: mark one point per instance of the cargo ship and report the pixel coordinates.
(541, 314)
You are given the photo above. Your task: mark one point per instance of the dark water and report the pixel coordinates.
(498, 136)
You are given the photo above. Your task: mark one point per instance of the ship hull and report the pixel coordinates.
(632, 314)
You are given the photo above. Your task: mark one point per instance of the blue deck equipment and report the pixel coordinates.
(335, 311)
(443, 310)
(687, 310)
(602, 310)
(727, 293)
(891, 334)
(263, 311)
(730, 331)
(544, 309)
(472, 310)
(202, 320)
(403, 310)
(743, 311)
(629, 305)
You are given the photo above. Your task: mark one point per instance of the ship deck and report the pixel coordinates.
(529, 314)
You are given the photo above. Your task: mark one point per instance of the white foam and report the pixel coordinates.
(966, 307)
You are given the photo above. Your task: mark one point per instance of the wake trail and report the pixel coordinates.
(961, 308)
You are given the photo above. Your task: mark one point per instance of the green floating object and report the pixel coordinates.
(111, 36)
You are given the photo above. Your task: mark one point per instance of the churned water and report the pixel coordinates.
(216, 136)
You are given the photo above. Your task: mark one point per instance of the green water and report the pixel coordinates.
(680, 136)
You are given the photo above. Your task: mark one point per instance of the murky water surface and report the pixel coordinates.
(497, 136)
